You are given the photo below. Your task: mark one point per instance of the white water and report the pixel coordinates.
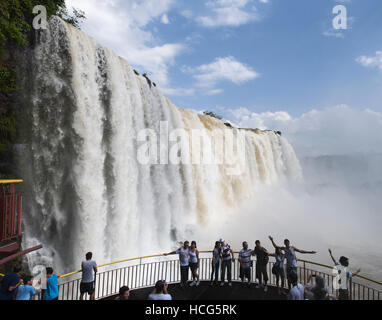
(86, 189)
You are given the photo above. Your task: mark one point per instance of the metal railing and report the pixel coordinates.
(143, 272)
(10, 215)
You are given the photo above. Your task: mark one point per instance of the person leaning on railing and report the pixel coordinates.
(184, 256)
(89, 271)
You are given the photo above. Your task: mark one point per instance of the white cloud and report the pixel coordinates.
(165, 19)
(232, 13)
(371, 61)
(331, 131)
(213, 92)
(222, 69)
(121, 26)
(333, 33)
(178, 91)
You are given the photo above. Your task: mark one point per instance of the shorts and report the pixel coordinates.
(87, 287)
(193, 266)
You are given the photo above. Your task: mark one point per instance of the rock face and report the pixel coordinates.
(87, 188)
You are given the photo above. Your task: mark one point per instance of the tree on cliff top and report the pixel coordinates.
(16, 18)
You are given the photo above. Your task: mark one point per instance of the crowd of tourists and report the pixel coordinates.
(284, 269)
(18, 287)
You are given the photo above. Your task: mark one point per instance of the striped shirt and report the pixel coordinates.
(226, 252)
(245, 258)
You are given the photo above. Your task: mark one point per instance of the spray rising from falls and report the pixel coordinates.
(87, 189)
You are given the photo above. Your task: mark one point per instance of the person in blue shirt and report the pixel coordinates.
(26, 290)
(51, 292)
(10, 284)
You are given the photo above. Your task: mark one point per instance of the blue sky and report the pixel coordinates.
(256, 62)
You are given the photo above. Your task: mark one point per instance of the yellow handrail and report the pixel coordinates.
(209, 251)
(2, 181)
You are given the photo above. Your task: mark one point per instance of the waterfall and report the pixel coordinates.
(87, 189)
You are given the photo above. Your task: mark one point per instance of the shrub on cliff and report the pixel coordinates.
(211, 114)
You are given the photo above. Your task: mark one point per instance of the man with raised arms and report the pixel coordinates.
(290, 255)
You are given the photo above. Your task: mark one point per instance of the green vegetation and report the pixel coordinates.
(211, 114)
(7, 131)
(16, 18)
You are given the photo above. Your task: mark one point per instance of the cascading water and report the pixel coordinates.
(86, 189)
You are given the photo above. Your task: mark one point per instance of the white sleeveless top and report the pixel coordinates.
(193, 257)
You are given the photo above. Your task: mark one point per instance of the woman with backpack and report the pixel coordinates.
(278, 269)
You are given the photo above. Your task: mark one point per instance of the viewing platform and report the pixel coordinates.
(140, 275)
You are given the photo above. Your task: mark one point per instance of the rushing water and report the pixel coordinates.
(86, 189)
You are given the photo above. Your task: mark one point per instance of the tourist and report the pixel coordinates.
(26, 290)
(124, 293)
(262, 258)
(227, 259)
(51, 292)
(342, 267)
(317, 292)
(245, 255)
(160, 291)
(216, 257)
(297, 290)
(194, 264)
(278, 270)
(290, 254)
(10, 284)
(184, 256)
(89, 270)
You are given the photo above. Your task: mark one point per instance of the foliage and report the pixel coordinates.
(7, 131)
(212, 114)
(75, 19)
(16, 18)
(7, 80)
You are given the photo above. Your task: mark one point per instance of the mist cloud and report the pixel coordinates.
(331, 131)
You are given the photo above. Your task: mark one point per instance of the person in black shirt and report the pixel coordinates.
(262, 259)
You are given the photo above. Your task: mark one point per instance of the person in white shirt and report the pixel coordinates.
(245, 255)
(342, 266)
(184, 257)
(227, 257)
(297, 290)
(160, 291)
